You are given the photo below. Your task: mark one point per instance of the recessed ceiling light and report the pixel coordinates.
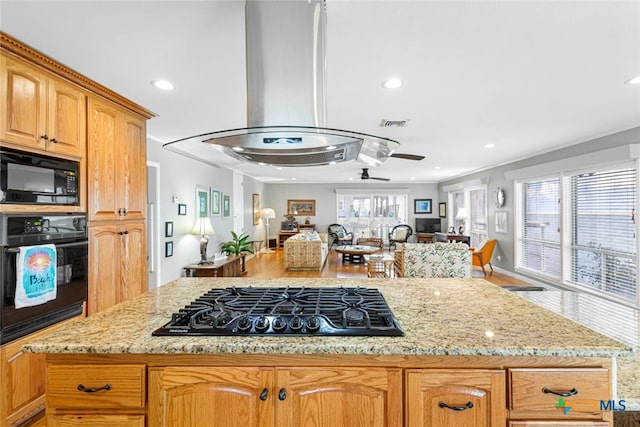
(162, 84)
(330, 147)
(293, 179)
(279, 168)
(332, 163)
(413, 178)
(633, 81)
(437, 167)
(489, 145)
(262, 164)
(237, 149)
(392, 83)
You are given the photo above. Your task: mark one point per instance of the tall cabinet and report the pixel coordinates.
(116, 171)
(49, 109)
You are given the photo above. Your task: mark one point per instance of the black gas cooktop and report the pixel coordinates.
(286, 311)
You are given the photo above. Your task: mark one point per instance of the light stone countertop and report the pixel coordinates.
(439, 317)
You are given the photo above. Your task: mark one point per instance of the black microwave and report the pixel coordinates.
(27, 178)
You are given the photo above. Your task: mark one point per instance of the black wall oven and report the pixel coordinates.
(68, 232)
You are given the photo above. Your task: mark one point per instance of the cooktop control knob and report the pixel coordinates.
(244, 324)
(313, 324)
(296, 324)
(262, 324)
(279, 324)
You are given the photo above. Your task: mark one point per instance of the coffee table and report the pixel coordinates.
(355, 253)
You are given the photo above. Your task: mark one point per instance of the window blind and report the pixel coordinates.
(540, 228)
(603, 240)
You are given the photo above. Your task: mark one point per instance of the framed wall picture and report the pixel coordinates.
(202, 202)
(422, 206)
(168, 249)
(215, 202)
(182, 209)
(502, 222)
(256, 209)
(301, 207)
(442, 210)
(168, 229)
(226, 206)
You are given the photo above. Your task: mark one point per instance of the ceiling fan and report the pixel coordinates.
(407, 156)
(365, 175)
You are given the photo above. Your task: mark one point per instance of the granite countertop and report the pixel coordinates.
(439, 317)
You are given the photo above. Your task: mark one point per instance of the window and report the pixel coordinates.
(373, 214)
(603, 238)
(538, 237)
(579, 229)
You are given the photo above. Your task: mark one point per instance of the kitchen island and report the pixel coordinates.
(472, 354)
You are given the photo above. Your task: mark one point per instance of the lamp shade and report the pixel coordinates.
(462, 214)
(267, 213)
(203, 227)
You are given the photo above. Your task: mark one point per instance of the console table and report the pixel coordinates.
(284, 235)
(231, 266)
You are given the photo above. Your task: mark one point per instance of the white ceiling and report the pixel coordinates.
(528, 77)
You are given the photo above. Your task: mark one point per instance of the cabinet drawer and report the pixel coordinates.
(580, 392)
(117, 386)
(96, 421)
(558, 424)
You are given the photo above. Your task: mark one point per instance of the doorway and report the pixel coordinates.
(153, 231)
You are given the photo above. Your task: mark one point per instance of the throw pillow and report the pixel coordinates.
(401, 233)
(341, 234)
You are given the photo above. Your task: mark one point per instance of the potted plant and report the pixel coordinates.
(238, 245)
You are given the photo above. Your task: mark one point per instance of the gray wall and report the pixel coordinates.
(325, 197)
(496, 178)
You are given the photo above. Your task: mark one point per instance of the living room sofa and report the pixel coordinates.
(306, 251)
(429, 260)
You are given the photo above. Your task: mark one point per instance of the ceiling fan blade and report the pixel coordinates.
(407, 156)
(379, 179)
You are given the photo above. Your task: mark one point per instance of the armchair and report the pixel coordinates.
(339, 235)
(399, 234)
(482, 256)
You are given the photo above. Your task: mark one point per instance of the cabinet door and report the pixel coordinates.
(133, 259)
(104, 278)
(329, 397)
(456, 398)
(24, 99)
(133, 171)
(103, 160)
(23, 391)
(211, 397)
(67, 119)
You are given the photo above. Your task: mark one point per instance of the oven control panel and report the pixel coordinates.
(36, 225)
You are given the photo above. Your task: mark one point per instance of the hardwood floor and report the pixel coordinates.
(267, 265)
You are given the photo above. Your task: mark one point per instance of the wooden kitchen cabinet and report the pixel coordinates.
(558, 424)
(23, 378)
(116, 163)
(96, 421)
(41, 111)
(535, 393)
(118, 271)
(260, 397)
(455, 398)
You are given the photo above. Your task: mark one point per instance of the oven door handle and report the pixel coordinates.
(58, 245)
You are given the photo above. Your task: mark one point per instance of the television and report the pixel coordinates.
(428, 225)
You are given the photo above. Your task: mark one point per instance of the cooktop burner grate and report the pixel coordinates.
(290, 311)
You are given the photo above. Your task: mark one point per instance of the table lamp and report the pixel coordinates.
(461, 216)
(203, 228)
(267, 213)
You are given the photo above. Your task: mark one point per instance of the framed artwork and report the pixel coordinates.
(168, 249)
(202, 202)
(301, 207)
(502, 222)
(215, 202)
(256, 209)
(442, 210)
(182, 209)
(168, 229)
(422, 206)
(226, 206)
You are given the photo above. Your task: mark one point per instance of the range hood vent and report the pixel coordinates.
(286, 112)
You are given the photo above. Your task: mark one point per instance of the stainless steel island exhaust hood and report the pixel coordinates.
(286, 113)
